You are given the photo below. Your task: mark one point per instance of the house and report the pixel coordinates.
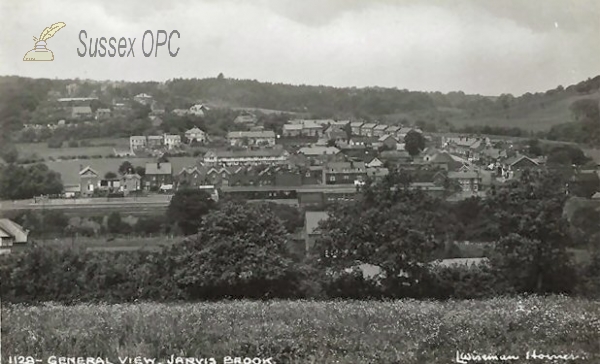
(131, 183)
(321, 154)
(389, 141)
(12, 234)
(71, 190)
(374, 163)
(368, 129)
(155, 141)
(392, 130)
(245, 119)
(292, 130)
(344, 172)
(312, 219)
(137, 142)
(251, 138)
(517, 163)
(157, 174)
(355, 126)
(197, 134)
(88, 181)
(81, 112)
(336, 134)
(171, 140)
(246, 157)
(469, 181)
(380, 130)
(143, 99)
(198, 110)
(310, 128)
(103, 114)
(447, 161)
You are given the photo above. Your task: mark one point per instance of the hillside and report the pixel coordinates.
(20, 98)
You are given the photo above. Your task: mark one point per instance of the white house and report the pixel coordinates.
(137, 142)
(143, 99)
(198, 110)
(196, 133)
(171, 140)
(247, 138)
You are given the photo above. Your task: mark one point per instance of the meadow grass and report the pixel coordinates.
(404, 331)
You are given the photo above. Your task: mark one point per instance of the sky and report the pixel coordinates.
(484, 47)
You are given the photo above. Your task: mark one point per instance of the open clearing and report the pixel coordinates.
(353, 332)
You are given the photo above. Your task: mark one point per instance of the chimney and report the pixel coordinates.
(158, 165)
(80, 167)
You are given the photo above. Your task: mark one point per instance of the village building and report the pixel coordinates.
(251, 138)
(88, 181)
(355, 127)
(197, 134)
(12, 234)
(246, 157)
(198, 110)
(157, 175)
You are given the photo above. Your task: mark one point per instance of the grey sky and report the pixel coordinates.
(477, 46)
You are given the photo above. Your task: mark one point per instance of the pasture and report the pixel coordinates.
(404, 331)
(101, 146)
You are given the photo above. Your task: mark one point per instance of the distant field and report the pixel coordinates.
(98, 147)
(346, 332)
(531, 116)
(118, 244)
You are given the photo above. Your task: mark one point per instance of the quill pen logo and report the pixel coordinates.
(40, 52)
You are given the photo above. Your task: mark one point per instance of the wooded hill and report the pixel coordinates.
(531, 111)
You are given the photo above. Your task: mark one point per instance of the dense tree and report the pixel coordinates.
(529, 212)
(187, 208)
(141, 171)
(390, 226)
(110, 175)
(239, 251)
(414, 142)
(125, 167)
(114, 223)
(18, 182)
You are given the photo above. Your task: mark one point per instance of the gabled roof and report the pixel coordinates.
(369, 126)
(87, 169)
(386, 137)
(381, 127)
(194, 130)
(463, 175)
(514, 160)
(10, 228)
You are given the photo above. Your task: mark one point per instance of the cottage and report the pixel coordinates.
(344, 172)
(196, 134)
(469, 181)
(355, 126)
(368, 130)
(89, 180)
(388, 141)
(12, 234)
(251, 138)
(171, 140)
(131, 183)
(81, 112)
(380, 130)
(137, 142)
(292, 130)
(155, 141)
(198, 110)
(157, 174)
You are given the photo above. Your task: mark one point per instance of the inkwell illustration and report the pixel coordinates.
(40, 52)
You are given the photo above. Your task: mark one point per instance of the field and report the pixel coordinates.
(310, 332)
(118, 244)
(101, 147)
(534, 116)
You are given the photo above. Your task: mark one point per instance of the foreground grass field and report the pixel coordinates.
(310, 332)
